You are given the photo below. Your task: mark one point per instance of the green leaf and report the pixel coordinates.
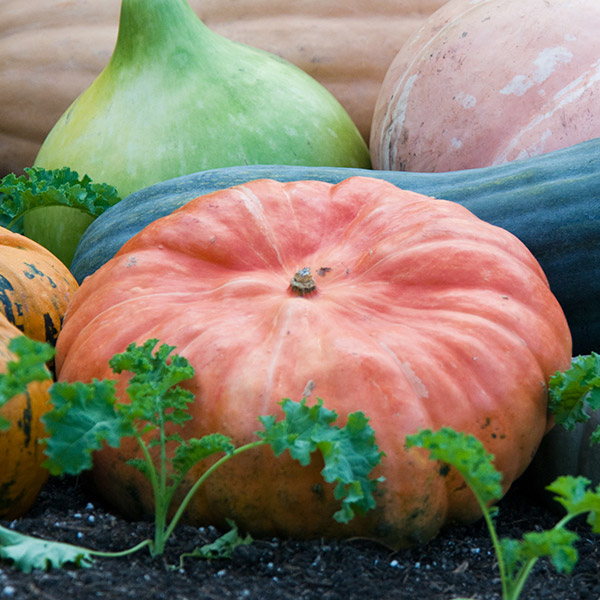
(466, 454)
(30, 365)
(222, 547)
(576, 497)
(295, 432)
(576, 389)
(153, 391)
(556, 544)
(29, 553)
(59, 187)
(84, 417)
(192, 451)
(142, 465)
(349, 453)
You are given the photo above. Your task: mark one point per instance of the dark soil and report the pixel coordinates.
(459, 562)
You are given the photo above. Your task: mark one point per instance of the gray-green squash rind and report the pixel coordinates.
(550, 202)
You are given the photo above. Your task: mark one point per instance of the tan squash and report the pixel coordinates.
(21, 454)
(51, 51)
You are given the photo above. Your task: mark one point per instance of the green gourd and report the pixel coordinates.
(551, 202)
(176, 98)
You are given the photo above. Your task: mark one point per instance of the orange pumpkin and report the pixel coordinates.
(52, 50)
(21, 454)
(35, 287)
(415, 312)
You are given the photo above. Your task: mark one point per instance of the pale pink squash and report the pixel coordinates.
(485, 82)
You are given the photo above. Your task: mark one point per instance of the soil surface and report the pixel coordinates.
(458, 563)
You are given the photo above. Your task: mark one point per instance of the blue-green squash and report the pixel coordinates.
(550, 202)
(566, 452)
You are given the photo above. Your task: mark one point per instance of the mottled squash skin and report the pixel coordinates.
(21, 453)
(423, 316)
(35, 287)
(484, 82)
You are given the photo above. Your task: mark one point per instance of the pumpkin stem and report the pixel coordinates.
(302, 283)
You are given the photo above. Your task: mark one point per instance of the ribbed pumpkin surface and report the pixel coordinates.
(423, 316)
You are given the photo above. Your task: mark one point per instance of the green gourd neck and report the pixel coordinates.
(154, 29)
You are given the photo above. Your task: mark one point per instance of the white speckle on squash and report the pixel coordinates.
(518, 86)
(573, 90)
(469, 101)
(388, 149)
(403, 100)
(545, 64)
(456, 143)
(567, 95)
(537, 148)
(466, 100)
(411, 377)
(308, 389)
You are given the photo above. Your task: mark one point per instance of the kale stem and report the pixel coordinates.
(177, 516)
(514, 587)
(120, 553)
(517, 584)
(160, 510)
(496, 543)
(160, 499)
